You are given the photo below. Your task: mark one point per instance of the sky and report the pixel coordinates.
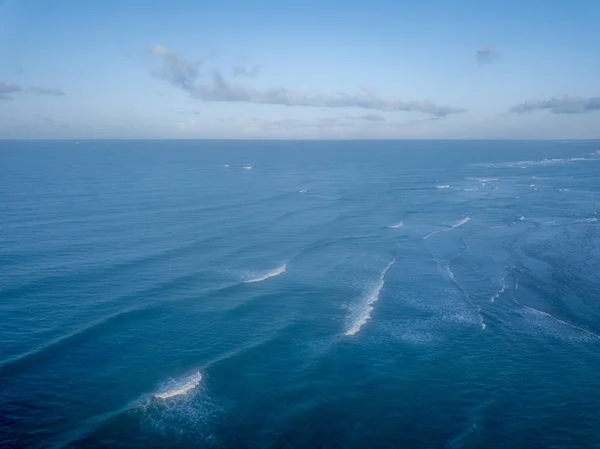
(288, 69)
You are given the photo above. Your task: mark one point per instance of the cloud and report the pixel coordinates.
(174, 69)
(184, 75)
(561, 104)
(6, 89)
(46, 91)
(368, 118)
(249, 72)
(487, 55)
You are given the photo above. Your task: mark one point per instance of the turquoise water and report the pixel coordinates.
(299, 294)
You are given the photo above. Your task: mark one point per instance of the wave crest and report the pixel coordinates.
(363, 314)
(276, 272)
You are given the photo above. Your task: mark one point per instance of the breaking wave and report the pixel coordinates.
(363, 312)
(276, 272)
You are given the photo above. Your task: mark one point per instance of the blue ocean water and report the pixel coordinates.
(299, 294)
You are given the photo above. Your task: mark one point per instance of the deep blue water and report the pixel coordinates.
(388, 311)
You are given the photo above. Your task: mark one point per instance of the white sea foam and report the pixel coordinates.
(247, 167)
(497, 295)
(521, 218)
(588, 220)
(449, 274)
(498, 227)
(179, 388)
(488, 180)
(543, 162)
(396, 226)
(276, 272)
(544, 320)
(363, 313)
(442, 187)
(470, 190)
(455, 225)
(302, 191)
(531, 185)
(226, 165)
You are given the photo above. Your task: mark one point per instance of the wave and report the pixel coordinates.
(276, 272)
(247, 167)
(488, 180)
(543, 162)
(302, 191)
(521, 218)
(442, 187)
(396, 226)
(497, 295)
(455, 225)
(179, 387)
(587, 220)
(57, 345)
(449, 274)
(544, 315)
(470, 190)
(364, 313)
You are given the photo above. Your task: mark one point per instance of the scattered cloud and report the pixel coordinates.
(561, 104)
(368, 118)
(6, 89)
(240, 71)
(184, 75)
(487, 55)
(46, 91)
(174, 69)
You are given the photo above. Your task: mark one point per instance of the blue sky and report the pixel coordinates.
(299, 69)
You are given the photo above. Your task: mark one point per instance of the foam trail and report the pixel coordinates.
(365, 313)
(449, 274)
(180, 388)
(276, 272)
(497, 295)
(503, 282)
(442, 187)
(455, 225)
(396, 226)
(539, 313)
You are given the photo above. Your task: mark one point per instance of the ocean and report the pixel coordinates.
(316, 294)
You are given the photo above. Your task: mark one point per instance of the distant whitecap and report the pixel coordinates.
(269, 274)
(396, 226)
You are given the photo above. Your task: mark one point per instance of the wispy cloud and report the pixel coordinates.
(46, 91)
(486, 55)
(185, 75)
(8, 89)
(561, 104)
(368, 118)
(175, 69)
(240, 71)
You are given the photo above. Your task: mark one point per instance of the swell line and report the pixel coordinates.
(364, 313)
(455, 225)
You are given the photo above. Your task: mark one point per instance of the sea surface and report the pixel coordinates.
(337, 294)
